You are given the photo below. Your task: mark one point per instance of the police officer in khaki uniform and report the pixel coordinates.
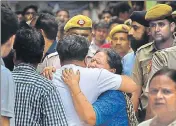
(164, 58)
(119, 39)
(161, 29)
(79, 25)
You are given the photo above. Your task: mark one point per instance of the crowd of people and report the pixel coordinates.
(58, 70)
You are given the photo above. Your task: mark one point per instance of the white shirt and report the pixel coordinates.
(93, 82)
(148, 122)
(51, 59)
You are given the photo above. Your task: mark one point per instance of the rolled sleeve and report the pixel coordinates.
(108, 81)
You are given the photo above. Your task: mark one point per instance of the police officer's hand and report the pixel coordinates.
(48, 72)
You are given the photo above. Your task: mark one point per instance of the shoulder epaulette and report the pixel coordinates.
(145, 46)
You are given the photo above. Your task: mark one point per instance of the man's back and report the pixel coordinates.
(93, 82)
(37, 102)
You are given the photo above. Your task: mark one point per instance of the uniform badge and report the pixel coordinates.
(149, 66)
(81, 22)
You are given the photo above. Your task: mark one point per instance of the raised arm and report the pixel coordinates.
(128, 85)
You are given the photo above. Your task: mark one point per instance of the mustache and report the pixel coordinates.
(158, 34)
(130, 37)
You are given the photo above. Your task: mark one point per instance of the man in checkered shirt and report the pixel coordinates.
(37, 101)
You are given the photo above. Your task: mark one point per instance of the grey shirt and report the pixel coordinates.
(7, 95)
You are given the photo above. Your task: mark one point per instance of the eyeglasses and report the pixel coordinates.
(27, 13)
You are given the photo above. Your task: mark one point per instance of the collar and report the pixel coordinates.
(173, 123)
(52, 48)
(155, 48)
(93, 42)
(25, 67)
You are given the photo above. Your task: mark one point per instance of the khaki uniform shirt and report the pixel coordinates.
(163, 58)
(142, 68)
(50, 60)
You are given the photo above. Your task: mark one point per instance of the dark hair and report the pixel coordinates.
(114, 60)
(47, 11)
(173, 5)
(19, 12)
(115, 20)
(6, 5)
(170, 19)
(8, 60)
(171, 73)
(35, 8)
(73, 47)
(140, 4)
(121, 7)
(9, 24)
(106, 11)
(48, 24)
(29, 45)
(101, 24)
(63, 10)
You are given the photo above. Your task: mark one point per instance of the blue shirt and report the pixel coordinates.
(7, 94)
(128, 62)
(110, 109)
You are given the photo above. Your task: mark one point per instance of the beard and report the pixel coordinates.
(160, 39)
(135, 44)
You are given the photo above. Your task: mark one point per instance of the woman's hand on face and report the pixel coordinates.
(70, 78)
